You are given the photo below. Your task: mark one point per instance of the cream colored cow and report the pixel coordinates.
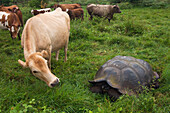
(43, 34)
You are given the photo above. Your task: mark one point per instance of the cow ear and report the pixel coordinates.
(23, 64)
(44, 53)
(114, 6)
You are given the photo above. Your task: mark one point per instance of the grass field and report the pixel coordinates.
(143, 33)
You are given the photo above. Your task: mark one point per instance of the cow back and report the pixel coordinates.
(48, 29)
(101, 10)
(68, 6)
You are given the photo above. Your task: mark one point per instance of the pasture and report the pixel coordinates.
(139, 32)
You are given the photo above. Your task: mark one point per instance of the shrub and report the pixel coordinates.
(153, 3)
(125, 5)
(130, 28)
(78, 33)
(5, 2)
(36, 3)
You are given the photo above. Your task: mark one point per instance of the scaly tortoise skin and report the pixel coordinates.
(123, 75)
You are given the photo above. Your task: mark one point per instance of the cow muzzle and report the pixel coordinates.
(54, 83)
(13, 37)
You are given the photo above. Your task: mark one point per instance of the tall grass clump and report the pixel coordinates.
(125, 5)
(131, 28)
(155, 3)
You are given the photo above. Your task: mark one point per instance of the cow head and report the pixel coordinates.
(13, 25)
(39, 68)
(32, 12)
(116, 9)
(70, 13)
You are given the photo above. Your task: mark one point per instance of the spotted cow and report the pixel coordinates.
(11, 22)
(40, 11)
(15, 9)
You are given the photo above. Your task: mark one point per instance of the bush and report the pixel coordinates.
(161, 4)
(78, 33)
(152, 3)
(120, 1)
(125, 5)
(36, 3)
(131, 28)
(5, 2)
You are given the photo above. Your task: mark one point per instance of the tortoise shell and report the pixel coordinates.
(124, 73)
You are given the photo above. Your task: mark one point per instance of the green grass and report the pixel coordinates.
(140, 32)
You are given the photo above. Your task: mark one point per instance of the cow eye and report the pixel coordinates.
(35, 72)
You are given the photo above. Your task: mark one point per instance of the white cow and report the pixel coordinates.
(42, 35)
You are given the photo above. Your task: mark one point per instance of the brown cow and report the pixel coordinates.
(40, 11)
(10, 21)
(106, 11)
(66, 6)
(14, 9)
(76, 13)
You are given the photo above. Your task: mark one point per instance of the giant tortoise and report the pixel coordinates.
(123, 75)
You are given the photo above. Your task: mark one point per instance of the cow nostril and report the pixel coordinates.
(55, 83)
(13, 37)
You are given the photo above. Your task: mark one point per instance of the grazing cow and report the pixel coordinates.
(40, 11)
(10, 21)
(42, 35)
(106, 11)
(76, 13)
(66, 6)
(14, 9)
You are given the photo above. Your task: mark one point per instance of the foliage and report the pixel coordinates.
(125, 5)
(5, 2)
(139, 32)
(36, 3)
(155, 3)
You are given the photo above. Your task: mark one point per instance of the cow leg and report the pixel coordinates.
(109, 20)
(19, 37)
(49, 61)
(91, 17)
(57, 54)
(82, 17)
(49, 57)
(65, 51)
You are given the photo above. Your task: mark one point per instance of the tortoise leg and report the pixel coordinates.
(96, 89)
(156, 82)
(113, 93)
(156, 75)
